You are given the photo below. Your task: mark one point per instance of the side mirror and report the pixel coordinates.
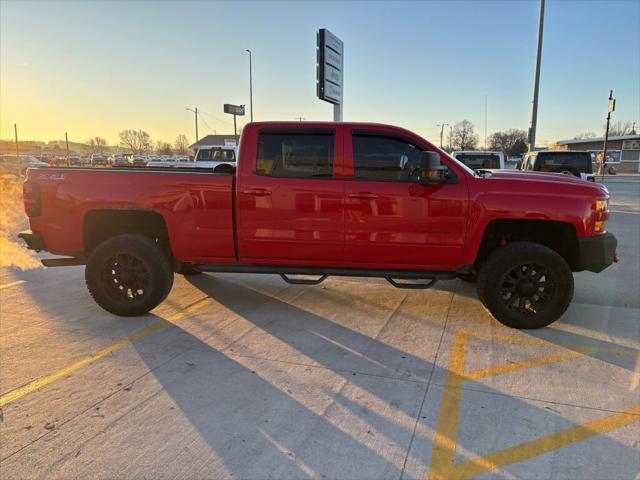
(432, 172)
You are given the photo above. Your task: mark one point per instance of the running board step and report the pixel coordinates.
(412, 286)
(62, 262)
(303, 281)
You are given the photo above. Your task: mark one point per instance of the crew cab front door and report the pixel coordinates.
(390, 219)
(291, 208)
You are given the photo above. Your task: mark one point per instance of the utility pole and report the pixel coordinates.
(442, 125)
(66, 140)
(15, 131)
(450, 139)
(250, 86)
(300, 119)
(196, 115)
(485, 122)
(536, 82)
(611, 107)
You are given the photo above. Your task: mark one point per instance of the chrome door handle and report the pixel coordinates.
(257, 192)
(363, 196)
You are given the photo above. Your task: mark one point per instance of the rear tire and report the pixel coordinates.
(525, 285)
(128, 275)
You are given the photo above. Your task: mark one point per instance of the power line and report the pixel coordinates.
(214, 117)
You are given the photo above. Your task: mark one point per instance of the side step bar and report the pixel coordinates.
(392, 276)
(63, 262)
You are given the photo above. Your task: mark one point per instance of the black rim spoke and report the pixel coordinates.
(126, 277)
(527, 288)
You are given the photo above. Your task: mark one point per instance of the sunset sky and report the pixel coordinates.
(95, 68)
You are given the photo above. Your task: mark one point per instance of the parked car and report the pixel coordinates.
(351, 199)
(121, 161)
(98, 160)
(480, 159)
(14, 165)
(139, 161)
(570, 162)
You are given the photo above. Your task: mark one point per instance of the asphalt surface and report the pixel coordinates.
(245, 376)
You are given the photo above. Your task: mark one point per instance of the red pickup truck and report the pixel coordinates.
(315, 198)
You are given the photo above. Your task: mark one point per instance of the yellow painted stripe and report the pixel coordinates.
(528, 363)
(12, 284)
(542, 445)
(46, 380)
(444, 440)
(442, 466)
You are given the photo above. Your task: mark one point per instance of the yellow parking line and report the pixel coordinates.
(442, 465)
(539, 446)
(12, 284)
(46, 380)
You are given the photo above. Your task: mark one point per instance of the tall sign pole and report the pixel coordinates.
(536, 82)
(330, 71)
(234, 110)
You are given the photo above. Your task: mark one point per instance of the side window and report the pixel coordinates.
(204, 155)
(385, 159)
(295, 155)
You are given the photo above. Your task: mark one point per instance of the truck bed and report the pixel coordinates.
(196, 206)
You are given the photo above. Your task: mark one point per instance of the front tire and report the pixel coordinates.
(525, 285)
(128, 275)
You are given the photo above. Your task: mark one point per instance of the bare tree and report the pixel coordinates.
(96, 145)
(511, 142)
(585, 135)
(138, 141)
(464, 136)
(181, 144)
(163, 148)
(618, 128)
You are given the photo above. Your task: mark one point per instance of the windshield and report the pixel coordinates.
(470, 171)
(550, 161)
(216, 155)
(479, 160)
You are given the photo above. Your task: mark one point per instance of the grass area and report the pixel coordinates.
(13, 253)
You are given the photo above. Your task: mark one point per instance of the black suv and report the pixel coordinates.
(570, 162)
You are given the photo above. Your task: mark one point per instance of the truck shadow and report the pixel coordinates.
(283, 419)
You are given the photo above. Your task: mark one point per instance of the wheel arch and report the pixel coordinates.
(104, 223)
(556, 235)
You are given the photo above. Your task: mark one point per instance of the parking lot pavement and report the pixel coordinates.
(245, 376)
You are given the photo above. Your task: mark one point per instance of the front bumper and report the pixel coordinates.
(33, 240)
(596, 253)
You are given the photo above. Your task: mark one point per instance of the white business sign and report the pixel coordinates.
(330, 67)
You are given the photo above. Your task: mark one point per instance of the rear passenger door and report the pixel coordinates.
(291, 206)
(392, 220)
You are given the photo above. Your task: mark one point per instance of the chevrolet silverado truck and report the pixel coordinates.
(319, 199)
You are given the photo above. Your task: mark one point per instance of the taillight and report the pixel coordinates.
(31, 197)
(601, 213)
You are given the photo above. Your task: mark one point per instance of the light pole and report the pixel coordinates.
(250, 85)
(536, 82)
(442, 125)
(196, 115)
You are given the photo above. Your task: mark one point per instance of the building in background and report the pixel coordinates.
(622, 151)
(214, 141)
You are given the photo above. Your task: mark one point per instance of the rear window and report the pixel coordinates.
(479, 160)
(295, 155)
(549, 161)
